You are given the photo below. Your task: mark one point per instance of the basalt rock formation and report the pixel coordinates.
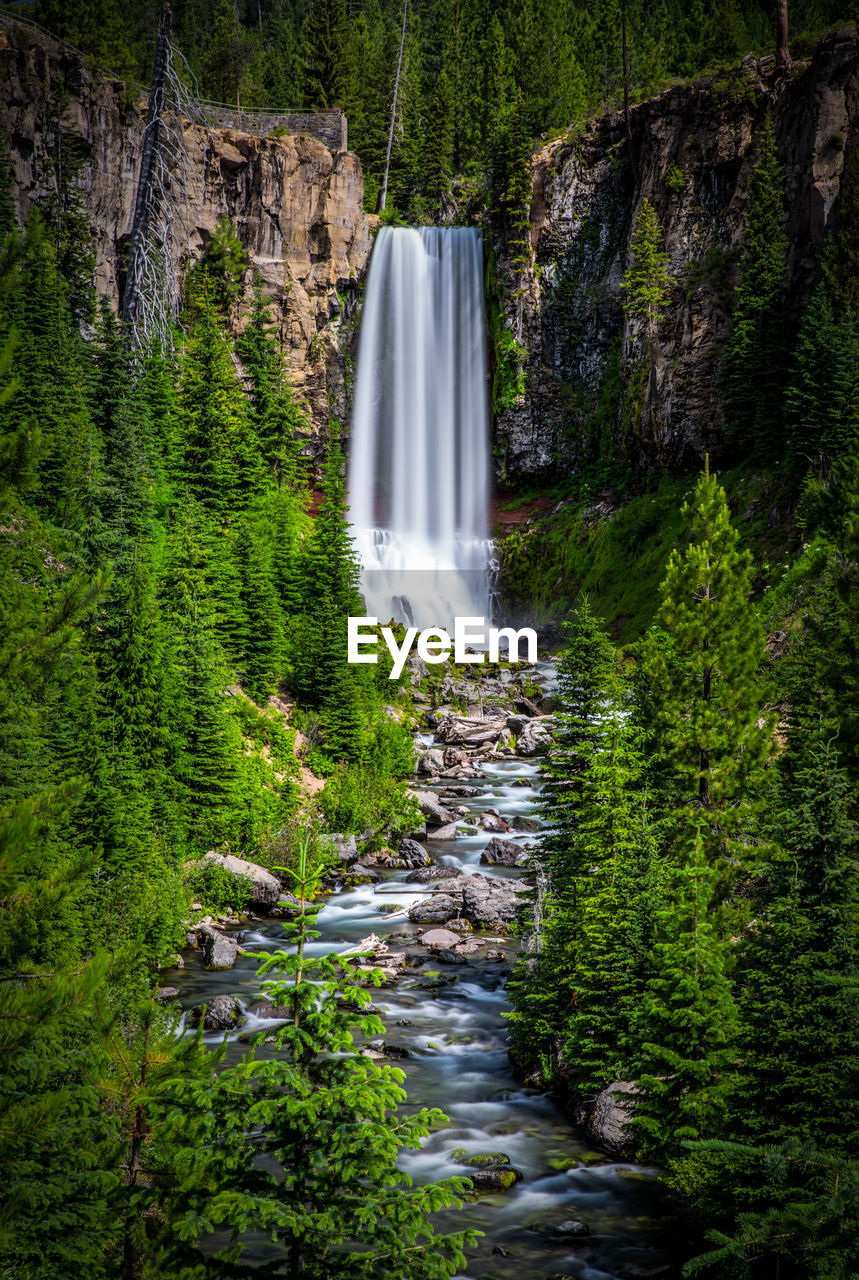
(695, 152)
(295, 203)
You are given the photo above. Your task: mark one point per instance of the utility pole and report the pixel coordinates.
(383, 192)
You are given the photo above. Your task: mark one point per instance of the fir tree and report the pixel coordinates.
(324, 35)
(645, 282)
(752, 385)
(701, 664)
(328, 1192)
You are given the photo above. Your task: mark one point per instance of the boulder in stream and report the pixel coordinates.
(493, 822)
(447, 832)
(502, 853)
(438, 871)
(433, 810)
(436, 910)
(411, 854)
(221, 1013)
(439, 938)
(219, 951)
(491, 903)
(608, 1119)
(535, 739)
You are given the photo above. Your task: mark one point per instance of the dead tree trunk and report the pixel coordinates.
(626, 120)
(383, 191)
(148, 157)
(782, 52)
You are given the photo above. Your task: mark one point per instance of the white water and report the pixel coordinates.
(419, 461)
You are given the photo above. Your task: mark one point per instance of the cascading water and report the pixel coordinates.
(419, 462)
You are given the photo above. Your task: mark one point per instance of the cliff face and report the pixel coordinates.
(296, 204)
(695, 148)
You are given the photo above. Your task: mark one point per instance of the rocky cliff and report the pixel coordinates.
(695, 149)
(296, 204)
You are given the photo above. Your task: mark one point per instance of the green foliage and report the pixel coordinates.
(645, 281)
(328, 1192)
(218, 888)
(357, 799)
(751, 378)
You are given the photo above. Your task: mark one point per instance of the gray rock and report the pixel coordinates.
(520, 823)
(433, 809)
(164, 995)
(265, 887)
(438, 871)
(501, 853)
(430, 762)
(535, 739)
(572, 1227)
(517, 723)
(608, 1119)
(411, 854)
(190, 939)
(439, 938)
(436, 910)
(492, 822)
(219, 951)
(449, 956)
(490, 903)
(345, 848)
(222, 1013)
(447, 832)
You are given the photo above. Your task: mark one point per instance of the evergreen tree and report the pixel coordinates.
(752, 383)
(328, 1190)
(645, 283)
(329, 596)
(702, 668)
(324, 36)
(822, 400)
(279, 421)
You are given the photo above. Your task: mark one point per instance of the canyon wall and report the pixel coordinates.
(695, 147)
(296, 204)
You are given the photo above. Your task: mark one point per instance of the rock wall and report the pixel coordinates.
(296, 204)
(695, 147)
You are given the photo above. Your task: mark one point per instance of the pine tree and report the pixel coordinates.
(704, 702)
(279, 421)
(216, 454)
(645, 283)
(798, 969)
(325, 36)
(328, 1191)
(822, 400)
(752, 384)
(701, 665)
(329, 596)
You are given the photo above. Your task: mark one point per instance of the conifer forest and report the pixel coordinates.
(429, 963)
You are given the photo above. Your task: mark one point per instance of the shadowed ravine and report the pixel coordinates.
(450, 1021)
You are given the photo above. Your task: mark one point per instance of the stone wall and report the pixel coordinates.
(329, 127)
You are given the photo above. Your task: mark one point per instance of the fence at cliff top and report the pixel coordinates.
(328, 126)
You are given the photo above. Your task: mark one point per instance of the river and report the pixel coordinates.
(450, 1020)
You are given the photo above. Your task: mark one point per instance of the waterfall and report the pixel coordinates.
(419, 461)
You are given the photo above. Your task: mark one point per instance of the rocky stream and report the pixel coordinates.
(438, 915)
